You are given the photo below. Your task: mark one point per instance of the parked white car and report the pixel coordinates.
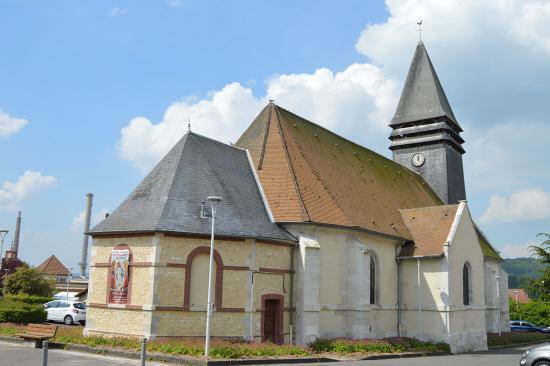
(68, 312)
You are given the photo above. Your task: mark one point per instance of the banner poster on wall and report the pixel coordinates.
(118, 293)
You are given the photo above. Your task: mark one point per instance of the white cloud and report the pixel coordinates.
(517, 250)
(118, 12)
(492, 100)
(78, 221)
(501, 159)
(29, 184)
(525, 205)
(457, 25)
(357, 101)
(10, 125)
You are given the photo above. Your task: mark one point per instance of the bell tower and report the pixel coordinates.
(425, 133)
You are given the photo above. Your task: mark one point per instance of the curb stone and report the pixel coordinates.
(405, 355)
(518, 344)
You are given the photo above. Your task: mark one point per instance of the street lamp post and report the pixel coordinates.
(3, 233)
(516, 292)
(214, 201)
(497, 277)
(68, 281)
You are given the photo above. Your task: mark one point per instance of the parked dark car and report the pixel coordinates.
(521, 326)
(536, 356)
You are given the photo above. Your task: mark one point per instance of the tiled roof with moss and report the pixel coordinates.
(486, 247)
(310, 174)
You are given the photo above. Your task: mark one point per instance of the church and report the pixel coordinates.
(315, 236)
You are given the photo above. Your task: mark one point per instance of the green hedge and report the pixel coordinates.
(390, 345)
(515, 338)
(18, 312)
(29, 299)
(535, 311)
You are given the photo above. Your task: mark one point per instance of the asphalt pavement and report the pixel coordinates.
(12, 354)
(20, 355)
(500, 357)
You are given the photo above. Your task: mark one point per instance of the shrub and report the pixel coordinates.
(515, 338)
(390, 345)
(28, 281)
(29, 299)
(18, 312)
(536, 312)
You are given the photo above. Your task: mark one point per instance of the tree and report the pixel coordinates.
(541, 285)
(28, 281)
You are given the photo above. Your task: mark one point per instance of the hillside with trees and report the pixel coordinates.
(521, 271)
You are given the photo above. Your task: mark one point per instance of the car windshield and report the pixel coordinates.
(79, 305)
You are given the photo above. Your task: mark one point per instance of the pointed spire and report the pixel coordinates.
(423, 96)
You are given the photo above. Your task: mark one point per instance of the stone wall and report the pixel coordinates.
(332, 284)
(159, 283)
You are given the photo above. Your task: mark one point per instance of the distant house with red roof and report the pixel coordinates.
(522, 297)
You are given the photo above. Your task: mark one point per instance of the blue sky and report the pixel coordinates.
(93, 93)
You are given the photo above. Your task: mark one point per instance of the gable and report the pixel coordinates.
(430, 228)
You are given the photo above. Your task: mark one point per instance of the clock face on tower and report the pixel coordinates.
(418, 159)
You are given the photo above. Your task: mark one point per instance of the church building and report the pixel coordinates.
(316, 236)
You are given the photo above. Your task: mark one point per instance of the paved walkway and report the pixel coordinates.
(19, 355)
(501, 357)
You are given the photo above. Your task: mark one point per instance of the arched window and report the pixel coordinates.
(372, 285)
(199, 281)
(466, 284)
(196, 279)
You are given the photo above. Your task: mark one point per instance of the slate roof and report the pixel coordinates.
(53, 266)
(422, 96)
(429, 227)
(169, 197)
(310, 174)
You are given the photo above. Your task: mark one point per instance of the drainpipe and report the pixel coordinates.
(291, 294)
(419, 314)
(251, 320)
(398, 261)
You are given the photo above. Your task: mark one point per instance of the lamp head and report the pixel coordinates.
(214, 200)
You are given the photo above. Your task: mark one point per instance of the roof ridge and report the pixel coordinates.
(172, 180)
(294, 180)
(47, 261)
(323, 183)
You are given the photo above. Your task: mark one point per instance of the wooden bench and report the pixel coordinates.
(37, 333)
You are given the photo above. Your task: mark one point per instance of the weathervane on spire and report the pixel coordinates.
(419, 23)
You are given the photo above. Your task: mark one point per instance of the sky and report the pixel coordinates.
(94, 93)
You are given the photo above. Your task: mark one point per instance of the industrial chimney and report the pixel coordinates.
(15, 248)
(87, 217)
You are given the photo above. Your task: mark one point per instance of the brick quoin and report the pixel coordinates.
(219, 277)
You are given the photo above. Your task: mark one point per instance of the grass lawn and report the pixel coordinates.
(224, 349)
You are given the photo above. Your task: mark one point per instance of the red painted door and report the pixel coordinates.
(270, 321)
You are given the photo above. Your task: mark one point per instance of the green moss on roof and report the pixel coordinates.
(486, 247)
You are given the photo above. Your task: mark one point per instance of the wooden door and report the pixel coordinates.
(270, 321)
